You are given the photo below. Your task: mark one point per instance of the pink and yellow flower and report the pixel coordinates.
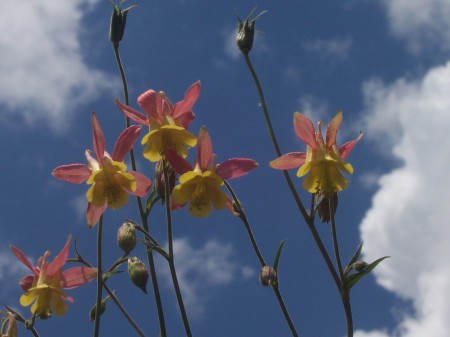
(167, 123)
(200, 186)
(44, 288)
(323, 160)
(108, 175)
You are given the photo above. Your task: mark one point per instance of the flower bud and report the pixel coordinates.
(323, 206)
(12, 326)
(138, 273)
(360, 265)
(93, 311)
(126, 237)
(117, 25)
(159, 179)
(246, 32)
(268, 277)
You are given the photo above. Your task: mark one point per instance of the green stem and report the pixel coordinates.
(99, 277)
(171, 259)
(151, 262)
(308, 219)
(263, 263)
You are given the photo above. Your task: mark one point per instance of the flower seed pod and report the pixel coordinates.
(268, 277)
(246, 32)
(117, 25)
(138, 273)
(126, 237)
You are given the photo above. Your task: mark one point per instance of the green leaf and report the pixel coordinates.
(151, 200)
(277, 257)
(352, 279)
(354, 258)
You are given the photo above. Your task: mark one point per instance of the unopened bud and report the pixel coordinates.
(126, 237)
(360, 265)
(11, 331)
(93, 312)
(117, 25)
(159, 182)
(246, 32)
(138, 273)
(323, 206)
(268, 277)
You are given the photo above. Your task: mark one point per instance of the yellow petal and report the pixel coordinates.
(181, 194)
(304, 169)
(59, 307)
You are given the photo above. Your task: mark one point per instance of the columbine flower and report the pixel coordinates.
(200, 185)
(168, 123)
(108, 175)
(44, 286)
(323, 160)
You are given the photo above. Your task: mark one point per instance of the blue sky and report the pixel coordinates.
(385, 63)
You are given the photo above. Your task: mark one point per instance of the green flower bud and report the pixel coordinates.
(118, 22)
(159, 179)
(93, 310)
(246, 32)
(126, 237)
(138, 273)
(268, 277)
(360, 265)
(323, 206)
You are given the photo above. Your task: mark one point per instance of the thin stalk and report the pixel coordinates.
(99, 277)
(263, 263)
(171, 259)
(151, 262)
(308, 219)
(21, 319)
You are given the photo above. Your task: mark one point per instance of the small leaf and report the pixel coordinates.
(352, 279)
(277, 257)
(354, 258)
(151, 200)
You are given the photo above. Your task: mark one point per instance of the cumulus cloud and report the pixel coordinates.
(207, 267)
(44, 76)
(409, 216)
(422, 24)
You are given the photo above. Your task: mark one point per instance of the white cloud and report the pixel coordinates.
(422, 23)
(11, 270)
(409, 216)
(316, 109)
(337, 47)
(204, 268)
(44, 76)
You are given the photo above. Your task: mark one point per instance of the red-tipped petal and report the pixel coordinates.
(60, 259)
(288, 161)
(22, 258)
(142, 184)
(125, 142)
(179, 164)
(132, 113)
(93, 214)
(151, 102)
(345, 149)
(235, 167)
(304, 129)
(332, 129)
(185, 119)
(73, 173)
(77, 276)
(188, 102)
(204, 148)
(98, 139)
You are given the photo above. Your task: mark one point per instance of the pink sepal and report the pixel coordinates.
(235, 167)
(142, 184)
(74, 173)
(151, 103)
(132, 113)
(125, 142)
(304, 129)
(59, 260)
(93, 214)
(22, 258)
(288, 161)
(26, 282)
(332, 129)
(204, 149)
(98, 139)
(179, 164)
(77, 276)
(345, 149)
(190, 97)
(185, 119)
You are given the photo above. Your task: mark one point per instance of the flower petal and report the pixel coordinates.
(59, 260)
(235, 167)
(142, 184)
(77, 276)
(59, 307)
(333, 128)
(204, 148)
(132, 114)
(151, 102)
(73, 173)
(98, 139)
(304, 129)
(22, 258)
(178, 163)
(288, 161)
(188, 102)
(93, 214)
(125, 142)
(345, 149)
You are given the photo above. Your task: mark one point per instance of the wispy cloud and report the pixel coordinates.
(11, 270)
(336, 47)
(43, 73)
(205, 268)
(422, 24)
(409, 217)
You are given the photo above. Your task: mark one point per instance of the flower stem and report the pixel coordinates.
(151, 262)
(99, 277)
(308, 219)
(171, 259)
(263, 263)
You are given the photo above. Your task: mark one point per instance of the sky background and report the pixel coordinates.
(385, 63)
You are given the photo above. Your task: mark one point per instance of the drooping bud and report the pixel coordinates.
(268, 277)
(93, 311)
(117, 25)
(159, 179)
(246, 32)
(11, 330)
(138, 273)
(126, 237)
(360, 265)
(323, 206)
